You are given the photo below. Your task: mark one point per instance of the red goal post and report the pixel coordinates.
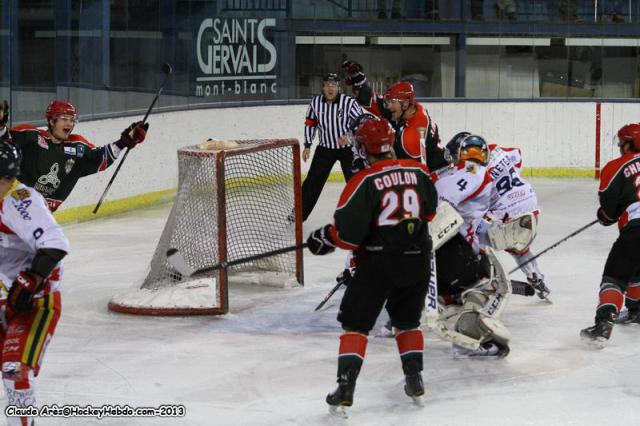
(235, 199)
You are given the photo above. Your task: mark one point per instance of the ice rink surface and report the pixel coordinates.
(273, 360)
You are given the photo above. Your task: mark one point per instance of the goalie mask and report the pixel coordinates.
(376, 136)
(629, 133)
(474, 148)
(451, 153)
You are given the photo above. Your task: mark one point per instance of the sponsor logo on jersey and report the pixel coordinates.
(42, 142)
(21, 207)
(70, 150)
(51, 178)
(471, 168)
(21, 194)
(69, 165)
(80, 151)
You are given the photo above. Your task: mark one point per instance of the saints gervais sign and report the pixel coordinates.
(235, 57)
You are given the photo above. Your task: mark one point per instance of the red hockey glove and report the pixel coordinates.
(355, 74)
(133, 135)
(4, 114)
(603, 219)
(320, 242)
(20, 297)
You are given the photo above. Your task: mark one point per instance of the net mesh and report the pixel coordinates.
(257, 197)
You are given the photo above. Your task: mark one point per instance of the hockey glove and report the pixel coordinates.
(320, 242)
(20, 297)
(603, 219)
(133, 135)
(355, 74)
(4, 114)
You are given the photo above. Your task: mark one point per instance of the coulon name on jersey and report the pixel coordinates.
(395, 179)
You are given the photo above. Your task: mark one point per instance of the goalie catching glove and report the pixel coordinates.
(20, 297)
(320, 241)
(133, 135)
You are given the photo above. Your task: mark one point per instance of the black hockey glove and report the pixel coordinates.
(603, 219)
(133, 135)
(20, 297)
(355, 74)
(320, 242)
(4, 113)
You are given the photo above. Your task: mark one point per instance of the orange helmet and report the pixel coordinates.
(629, 133)
(57, 108)
(376, 135)
(401, 91)
(474, 148)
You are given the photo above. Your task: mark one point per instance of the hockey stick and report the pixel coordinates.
(328, 296)
(573, 234)
(178, 262)
(167, 70)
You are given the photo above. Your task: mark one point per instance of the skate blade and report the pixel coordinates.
(545, 299)
(338, 411)
(597, 343)
(417, 400)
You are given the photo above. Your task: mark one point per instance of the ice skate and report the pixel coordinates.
(342, 396)
(414, 387)
(489, 350)
(628, 317)
(539, 286)
(598, 334)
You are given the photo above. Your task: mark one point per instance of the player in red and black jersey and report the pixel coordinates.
(382, 216)
(417, 136)
(619, 202)
(54, 159)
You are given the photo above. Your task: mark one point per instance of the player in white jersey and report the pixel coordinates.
(32, 246)
(471, 283)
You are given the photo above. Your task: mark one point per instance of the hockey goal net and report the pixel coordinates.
(235, 199)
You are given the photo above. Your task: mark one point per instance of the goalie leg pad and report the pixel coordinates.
(515, 235)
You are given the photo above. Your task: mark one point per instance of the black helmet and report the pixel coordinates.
(453, 146)
(9, 160)
(332, 76)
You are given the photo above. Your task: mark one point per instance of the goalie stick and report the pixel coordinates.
(167, 70)
(178, 262)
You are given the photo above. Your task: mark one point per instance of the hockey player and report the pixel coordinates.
(472, 284)
(382, 214)
(512, 198)
(54, 159)
(417, 136)
(619, 202)
(32, 246)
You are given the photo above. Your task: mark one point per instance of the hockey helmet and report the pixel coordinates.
(629, 133)
(9, 160)
(474, 148)
(376, 136)
(57, 108)
(401, 91)
(453, 146)
(331, 77)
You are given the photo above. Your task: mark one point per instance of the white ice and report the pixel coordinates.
(272, 360)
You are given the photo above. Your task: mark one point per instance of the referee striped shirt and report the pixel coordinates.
(331, 120)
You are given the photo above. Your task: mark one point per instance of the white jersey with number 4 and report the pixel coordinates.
(512, 195)
(26, 225)
(467, 187)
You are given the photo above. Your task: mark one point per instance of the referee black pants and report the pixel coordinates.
(321, 165)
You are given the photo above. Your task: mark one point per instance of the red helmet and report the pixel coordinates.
(57, 108)
(376, 135)
(629, 133)
(400, 91)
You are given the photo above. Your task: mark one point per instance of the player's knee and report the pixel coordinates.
(17, 372)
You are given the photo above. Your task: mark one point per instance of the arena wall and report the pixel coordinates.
(557, 138)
